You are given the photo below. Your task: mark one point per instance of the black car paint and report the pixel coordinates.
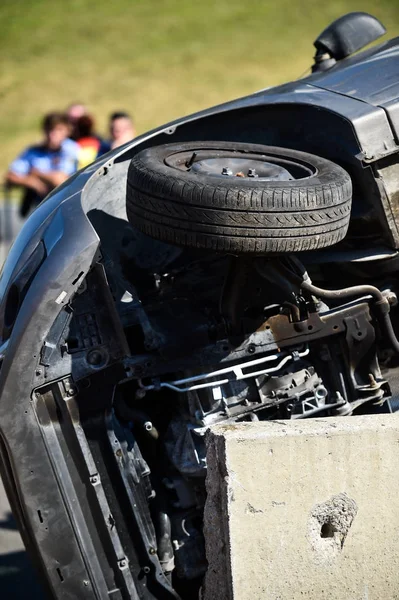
(349, 114)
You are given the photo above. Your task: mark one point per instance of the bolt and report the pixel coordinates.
(146, 570)
(192, 159)
(152, 550)
(71, 391)
(251, 349)
(372, 380)
(122, 563)
(227, 171)
(94, 357)
(148, 426)
(119, 453)
(252, 173)
(38, 372)
(94, 479)
(85, 583)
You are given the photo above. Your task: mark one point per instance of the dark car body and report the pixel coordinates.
(77, 519)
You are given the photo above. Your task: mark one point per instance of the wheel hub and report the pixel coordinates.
(241, 167)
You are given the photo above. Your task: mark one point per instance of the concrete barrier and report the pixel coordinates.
(304, 509)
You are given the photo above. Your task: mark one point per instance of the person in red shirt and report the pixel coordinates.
(74, 112)
(91, 146)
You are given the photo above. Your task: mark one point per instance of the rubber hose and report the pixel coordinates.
(349, 292)
(382, 305)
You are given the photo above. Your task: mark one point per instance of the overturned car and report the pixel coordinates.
(240, 264)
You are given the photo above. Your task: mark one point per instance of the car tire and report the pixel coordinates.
(177, 194)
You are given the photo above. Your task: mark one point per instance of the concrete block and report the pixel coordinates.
(303, 509)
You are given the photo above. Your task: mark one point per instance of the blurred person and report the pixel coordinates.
(75, 111)
(42, 167)
(91, 146)
(121, 128)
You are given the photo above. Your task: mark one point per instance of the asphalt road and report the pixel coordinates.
(18, 580)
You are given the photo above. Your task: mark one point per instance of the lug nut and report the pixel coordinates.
(252, 173)
(226, 171)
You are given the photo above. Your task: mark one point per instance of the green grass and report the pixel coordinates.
(158, 59)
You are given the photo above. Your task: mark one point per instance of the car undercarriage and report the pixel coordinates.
(239, 265)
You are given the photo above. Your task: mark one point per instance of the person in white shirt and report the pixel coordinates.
(121, 129)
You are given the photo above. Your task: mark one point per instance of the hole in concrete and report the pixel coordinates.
(329, 525)
(327, 530)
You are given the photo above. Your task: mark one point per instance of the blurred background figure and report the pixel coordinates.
(74, 112)
(42, 167)
(121, 128)
(91, 146)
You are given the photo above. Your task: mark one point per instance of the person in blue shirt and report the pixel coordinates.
(41, 168)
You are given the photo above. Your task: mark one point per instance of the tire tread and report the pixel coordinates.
(226, 217)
